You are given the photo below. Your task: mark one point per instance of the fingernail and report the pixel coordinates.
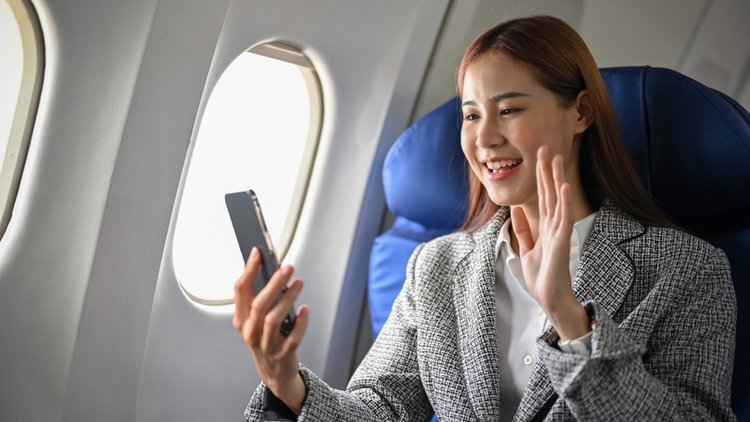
(254, 253)
(287, 271)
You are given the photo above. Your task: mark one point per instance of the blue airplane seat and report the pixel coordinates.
(690, 145)
(423, 178)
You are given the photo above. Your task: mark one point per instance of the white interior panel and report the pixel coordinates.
(48, 250)
(114, 320)
(720, 54)
(639, 32)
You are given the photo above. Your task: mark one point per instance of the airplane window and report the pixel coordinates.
(259, 131)
(20, 83)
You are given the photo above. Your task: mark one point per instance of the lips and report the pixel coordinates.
(495, 166)
(500, 168)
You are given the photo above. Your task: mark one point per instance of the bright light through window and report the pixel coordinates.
(10, 72)
(258, 131)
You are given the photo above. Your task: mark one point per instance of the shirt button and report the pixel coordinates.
(527, 360)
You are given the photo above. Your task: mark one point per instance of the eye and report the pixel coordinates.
(471, 117)
(509, 111)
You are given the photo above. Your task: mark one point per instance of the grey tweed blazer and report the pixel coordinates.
(662, 346)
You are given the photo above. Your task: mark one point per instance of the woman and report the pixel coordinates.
(566, 295)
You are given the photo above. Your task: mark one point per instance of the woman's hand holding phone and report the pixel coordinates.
(258, 319)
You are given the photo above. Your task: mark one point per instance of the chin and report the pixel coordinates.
(505, 200)
(500, 200)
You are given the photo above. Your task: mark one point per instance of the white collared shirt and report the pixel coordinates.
(520, 319)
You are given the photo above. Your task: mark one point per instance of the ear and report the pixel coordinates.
(583, 112)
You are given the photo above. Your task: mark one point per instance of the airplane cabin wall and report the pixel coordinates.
(108, 354)
(47, 253)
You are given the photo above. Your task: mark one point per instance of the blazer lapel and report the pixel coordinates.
(605, 275)
(474, 301)
(606, 271)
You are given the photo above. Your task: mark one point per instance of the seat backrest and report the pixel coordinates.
(690, 145)
(424, 179)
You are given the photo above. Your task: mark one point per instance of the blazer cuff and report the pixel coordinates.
(568, 370)
(254, 409)
(265, 406)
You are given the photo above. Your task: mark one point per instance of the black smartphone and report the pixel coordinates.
(251, 231)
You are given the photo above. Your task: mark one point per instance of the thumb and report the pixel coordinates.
(522, 230)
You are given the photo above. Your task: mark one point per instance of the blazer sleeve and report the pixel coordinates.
(690, 354)
(385, 387)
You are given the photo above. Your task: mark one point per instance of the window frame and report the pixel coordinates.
(26, 108)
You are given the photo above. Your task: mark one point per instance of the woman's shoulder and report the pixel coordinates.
(446, 248)
(680, 245)
(669, 243)
(676, 256)
(661, 251)
(460, 243)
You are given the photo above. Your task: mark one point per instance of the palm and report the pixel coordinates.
(545, 265)
(545, 262)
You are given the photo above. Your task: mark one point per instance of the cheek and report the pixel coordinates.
(533, 133)
(552, 132)
(467, 146)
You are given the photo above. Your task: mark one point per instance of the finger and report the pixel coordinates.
(243, 289)
(266, 298)
(567, 209)
(298, 332)
(279, 312)
(540, 186)
(272, 337)
(550, 196)
(558, 175)
(263, 302)
(522, 230)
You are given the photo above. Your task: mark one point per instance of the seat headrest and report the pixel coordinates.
(689, 143)
(424, 174)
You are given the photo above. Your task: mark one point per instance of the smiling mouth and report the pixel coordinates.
(501, 165)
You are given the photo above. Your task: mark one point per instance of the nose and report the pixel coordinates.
(489, 134)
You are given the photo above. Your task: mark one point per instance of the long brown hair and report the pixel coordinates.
(561, 62)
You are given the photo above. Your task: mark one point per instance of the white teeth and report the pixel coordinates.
(496, 165)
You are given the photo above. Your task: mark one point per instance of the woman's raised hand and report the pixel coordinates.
(546, 262)
(259, 318)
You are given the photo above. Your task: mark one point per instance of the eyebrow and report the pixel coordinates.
(497, 98)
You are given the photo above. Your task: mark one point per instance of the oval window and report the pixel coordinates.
(259, 130)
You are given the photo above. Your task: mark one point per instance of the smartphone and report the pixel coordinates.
(251, 231)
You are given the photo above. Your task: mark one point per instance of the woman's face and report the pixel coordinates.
(507, 116)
